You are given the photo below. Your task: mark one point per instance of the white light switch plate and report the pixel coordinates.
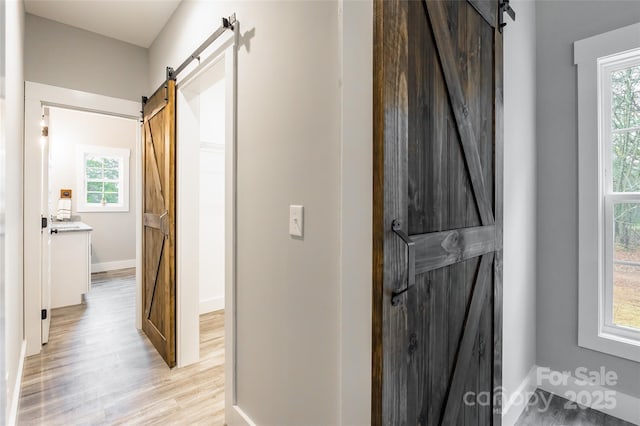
(296, 221)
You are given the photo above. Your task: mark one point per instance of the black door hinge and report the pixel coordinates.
(43, 314)
(43, 222)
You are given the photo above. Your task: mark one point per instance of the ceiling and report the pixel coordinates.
(134, 21)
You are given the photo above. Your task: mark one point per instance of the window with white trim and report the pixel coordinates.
(619, 111)
(608, 73)
(103, 179)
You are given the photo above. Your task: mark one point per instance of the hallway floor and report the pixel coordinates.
(99, 369)
(557, 414)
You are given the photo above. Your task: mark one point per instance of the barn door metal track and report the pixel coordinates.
(227, 24)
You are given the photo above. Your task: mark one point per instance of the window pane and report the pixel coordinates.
(626, 278)
(94, 187)
(625, 98)
(626, 295)
(93, 173)
(110, 187)
(111, 198)
(625, 156)
(111, 173)
(94, 162)
(111, 163)
(627, 231)
(94, 198)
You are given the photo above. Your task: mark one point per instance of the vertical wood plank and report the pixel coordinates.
(499, 217)
(417, 173)
(170, 307)
(377, 327)
(396, 190)
(390, 203)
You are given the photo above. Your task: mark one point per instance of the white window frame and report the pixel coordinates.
(606, 66)
(595, 58)
(102, 151)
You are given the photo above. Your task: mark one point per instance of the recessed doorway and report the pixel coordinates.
(201, 203)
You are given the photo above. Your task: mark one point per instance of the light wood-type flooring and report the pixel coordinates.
(561, 412)
(98, 369)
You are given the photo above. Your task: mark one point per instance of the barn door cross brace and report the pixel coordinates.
(505, 7)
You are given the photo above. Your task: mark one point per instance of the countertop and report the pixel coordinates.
(70, 227)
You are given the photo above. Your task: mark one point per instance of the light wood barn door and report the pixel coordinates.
(437, 213)
(158, 242)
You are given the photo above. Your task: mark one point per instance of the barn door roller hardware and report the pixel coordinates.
(227, 24)
(143, 103)
(411, 261)
(505, 7)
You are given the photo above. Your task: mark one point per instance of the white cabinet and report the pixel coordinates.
(70, 266)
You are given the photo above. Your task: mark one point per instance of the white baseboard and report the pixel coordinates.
(210, 305)
(112, 266)
(234, 416)
(573, 389)
(13, 413)
(513, 407)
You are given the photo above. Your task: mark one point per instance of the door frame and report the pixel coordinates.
(38, 95)
(187, 306)
(187, 283)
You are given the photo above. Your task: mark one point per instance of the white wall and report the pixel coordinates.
(288, 153)
(3, 199)
(64, 56)
(519, 338)
(114, 233)
(557, 183)
(14, 195)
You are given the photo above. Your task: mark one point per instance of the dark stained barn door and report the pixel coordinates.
(158, 240)
(437, 213)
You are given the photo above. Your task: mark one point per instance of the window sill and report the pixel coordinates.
(103, 209)
(612, 344)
